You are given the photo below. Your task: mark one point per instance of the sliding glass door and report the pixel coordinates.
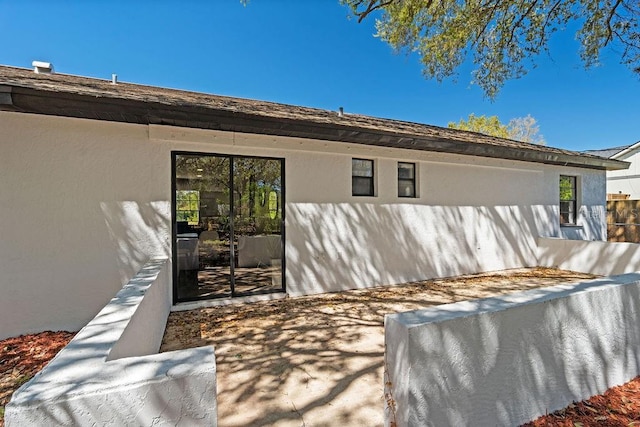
(228, 226)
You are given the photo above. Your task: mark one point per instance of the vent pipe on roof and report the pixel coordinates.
(340, 112)
(114, 79)
(40, 67)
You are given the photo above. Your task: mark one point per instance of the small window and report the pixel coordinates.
(406, 179)
(568, 199)
(361, 177)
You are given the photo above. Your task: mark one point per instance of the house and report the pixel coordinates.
(624, 183)
(252, 199)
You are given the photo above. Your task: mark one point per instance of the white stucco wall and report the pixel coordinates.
(626, 181)
(469, 217)
(87, 202)
(508, 360)
(111, 374)
(84, 205)
(472, 214)
(602, 258)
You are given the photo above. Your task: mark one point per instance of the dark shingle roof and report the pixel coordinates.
(73, 96)
(607, 152)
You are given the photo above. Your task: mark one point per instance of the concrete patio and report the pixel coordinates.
(318, 360)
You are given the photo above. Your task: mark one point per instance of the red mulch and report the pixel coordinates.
(22, 357)
(617, 407)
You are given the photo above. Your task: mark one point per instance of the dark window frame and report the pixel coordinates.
(174, 222)
(411, 180)
(357, 180)
(568, 202)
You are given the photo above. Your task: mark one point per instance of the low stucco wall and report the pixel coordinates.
(143, 307)
(508, 360)
(110, 374)
(602, 258)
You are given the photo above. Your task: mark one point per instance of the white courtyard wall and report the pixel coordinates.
(507, 360)
(602, 258)
(86, 203)
(111, 373)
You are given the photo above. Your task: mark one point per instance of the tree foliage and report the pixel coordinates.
(500, 35)
(523, 129)
(482, 124)
(566, 188)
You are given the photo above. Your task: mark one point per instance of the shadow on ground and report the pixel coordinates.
(318, 360)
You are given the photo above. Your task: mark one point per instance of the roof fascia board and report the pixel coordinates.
(39, 101)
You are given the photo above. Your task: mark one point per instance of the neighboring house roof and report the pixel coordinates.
(626, 151)
(607, 152)
(82, 97)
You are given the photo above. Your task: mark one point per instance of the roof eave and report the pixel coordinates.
(39, 101)
(626, 151)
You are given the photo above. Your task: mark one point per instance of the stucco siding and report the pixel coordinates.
(86, 203)
(507, 360)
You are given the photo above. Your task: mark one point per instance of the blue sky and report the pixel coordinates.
(309, 53)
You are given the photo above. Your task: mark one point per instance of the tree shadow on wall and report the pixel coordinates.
(562, 353)
(332, 247)
(137, 232)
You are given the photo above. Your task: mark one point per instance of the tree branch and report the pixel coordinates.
(546, 21)
(609, 18)
(522, 17)
(487, 22)
(372, 7)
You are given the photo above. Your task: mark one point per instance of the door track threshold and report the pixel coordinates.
(192, 305)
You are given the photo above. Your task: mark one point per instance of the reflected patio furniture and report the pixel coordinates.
(259, 251)
(188, 258)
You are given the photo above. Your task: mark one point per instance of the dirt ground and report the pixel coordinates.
(318, 360)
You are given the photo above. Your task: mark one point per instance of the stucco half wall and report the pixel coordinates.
(508, 360)
(111, 373)
(87, 202)
(602, 258)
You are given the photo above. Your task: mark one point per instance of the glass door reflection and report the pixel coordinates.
(228, 226)
(257, 225)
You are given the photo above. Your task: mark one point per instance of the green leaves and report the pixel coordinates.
(524, 129)
(482, 124)
(567, 185)
(502, 37)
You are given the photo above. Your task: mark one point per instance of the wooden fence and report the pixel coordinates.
(623, 221)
